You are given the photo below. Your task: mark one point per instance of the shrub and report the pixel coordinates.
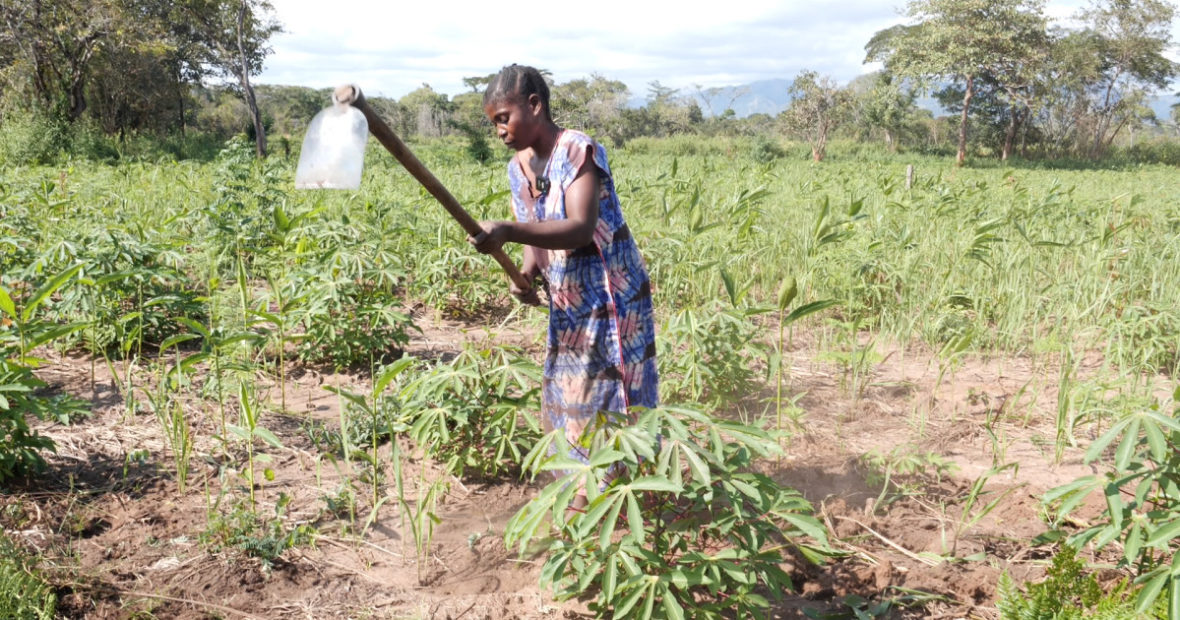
(475, 412)
(32, 138)
(684, 530)
(708, 354)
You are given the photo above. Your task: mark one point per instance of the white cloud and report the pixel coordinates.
(392, 48)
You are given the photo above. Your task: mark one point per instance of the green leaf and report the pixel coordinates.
(786, 293)
(240, 432)
(1114, 504)
(48, 289)
(1133, 544)
(6, 304)
(268, 437)
(654, 483)
(1100, 444)
(672, 607)
(1164, 534)
(632, 598)
(635, 518)
(177, 339)
(282, 222)
(810, 308)
(1155, 440)
(1151, 589)
(810, 526)
(700, 471)
(1122, 456)
(193, 325)
(609, 578)
(608, 526)
(390, 373)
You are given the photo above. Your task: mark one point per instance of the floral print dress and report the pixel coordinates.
(601, 342)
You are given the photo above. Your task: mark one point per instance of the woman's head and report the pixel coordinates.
(517, 84)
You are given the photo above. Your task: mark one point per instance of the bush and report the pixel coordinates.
(475, 412)
(1160, 151)
(765, 150)
(709, 354)
(683, 530)
(32, 139)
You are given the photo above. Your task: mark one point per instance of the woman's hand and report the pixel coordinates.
(493, 237)
(528, 297)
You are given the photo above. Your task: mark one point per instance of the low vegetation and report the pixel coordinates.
(200, 288)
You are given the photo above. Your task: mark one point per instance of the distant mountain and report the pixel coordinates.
(764, 96)
(1160, 104)
(761, 97)
(770, 97)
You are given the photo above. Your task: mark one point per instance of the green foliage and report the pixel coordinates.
(675, 526)
(31, 139)
(477, 141)
(352, 325)
(475, 412)
(1142, 500)
(22, 330)
(765, 149)
(707, 355)
(1068, 592)
(24, 593)
(257, 537)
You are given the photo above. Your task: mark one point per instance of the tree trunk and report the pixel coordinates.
(889, 141)
(247, 90)
(1009, 134)
(819, 146)
(967, 95)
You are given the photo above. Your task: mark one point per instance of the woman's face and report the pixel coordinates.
(516, 122)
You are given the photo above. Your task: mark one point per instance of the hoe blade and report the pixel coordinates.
(333, 152)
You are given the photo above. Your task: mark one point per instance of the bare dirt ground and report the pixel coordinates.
(121, 541)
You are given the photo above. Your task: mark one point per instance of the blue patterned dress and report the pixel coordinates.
(601, 354)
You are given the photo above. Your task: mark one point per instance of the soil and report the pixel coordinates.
(119, 538)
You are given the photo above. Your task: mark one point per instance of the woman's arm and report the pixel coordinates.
(571, 233)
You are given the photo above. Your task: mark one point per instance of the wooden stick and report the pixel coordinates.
(352, 95)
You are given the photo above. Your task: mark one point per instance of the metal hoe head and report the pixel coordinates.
(333, 154)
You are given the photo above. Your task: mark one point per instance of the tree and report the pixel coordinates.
(593, 105)
(882, 103)
(1130, 38)
(58, 40)
(670, 113)
(236, 34)
(959, 40)
(427, 111)
(817, 107)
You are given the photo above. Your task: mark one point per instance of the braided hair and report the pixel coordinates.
(515, 83)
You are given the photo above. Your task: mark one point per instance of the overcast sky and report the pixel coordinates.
(390, 48)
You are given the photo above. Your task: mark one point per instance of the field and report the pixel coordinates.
(278, 404)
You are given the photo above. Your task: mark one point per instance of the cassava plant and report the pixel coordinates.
(472, 413)
(685, 529)
(1141, 488)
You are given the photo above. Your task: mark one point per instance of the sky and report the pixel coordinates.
(392, 48)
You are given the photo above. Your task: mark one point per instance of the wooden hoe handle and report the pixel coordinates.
(380, 130)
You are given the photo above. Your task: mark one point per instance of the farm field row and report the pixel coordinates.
(328, 396)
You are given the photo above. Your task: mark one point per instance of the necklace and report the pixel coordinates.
(543, 183)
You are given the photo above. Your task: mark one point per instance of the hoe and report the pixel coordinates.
(333, 156)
